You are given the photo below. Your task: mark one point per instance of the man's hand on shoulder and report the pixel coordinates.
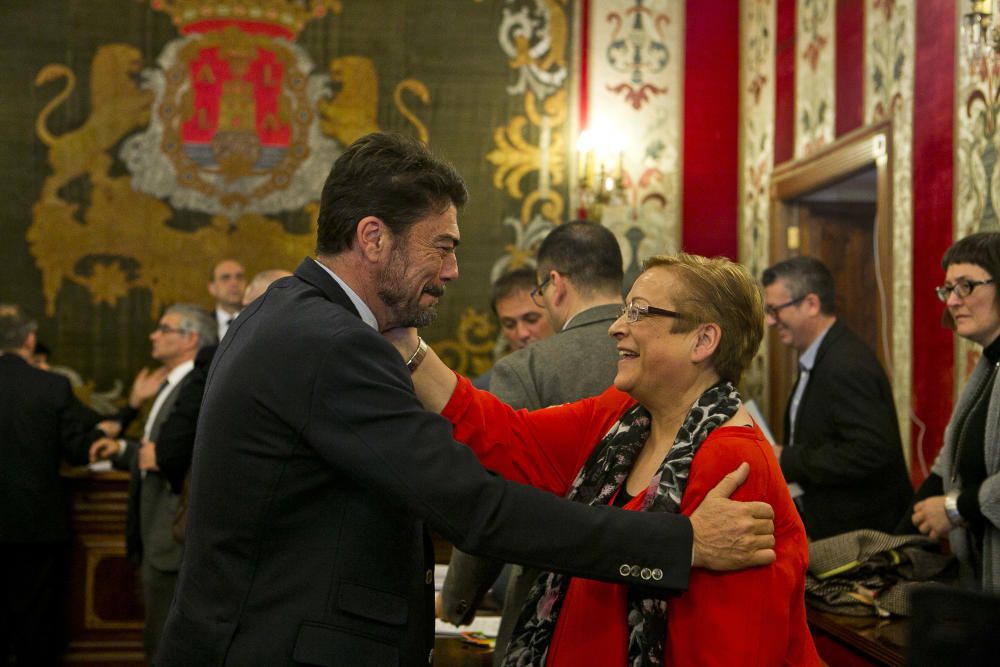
(730, 535)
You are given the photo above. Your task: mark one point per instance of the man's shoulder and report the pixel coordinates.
(24, 376)
(846, 349)
(572, 343)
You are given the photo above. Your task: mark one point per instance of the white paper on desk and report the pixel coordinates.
(793, 489)
(488, 625)
(100, 466)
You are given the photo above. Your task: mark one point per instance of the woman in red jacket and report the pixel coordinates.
(671, 427)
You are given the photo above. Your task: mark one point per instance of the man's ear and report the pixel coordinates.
(706, 341)
(812, 305)
(559, 286)
(30, 342)
(374, 240)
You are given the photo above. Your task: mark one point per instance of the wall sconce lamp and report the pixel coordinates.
(980, 38)
(600, 154)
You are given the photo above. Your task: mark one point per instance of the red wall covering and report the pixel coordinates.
(711, 128)
(784, 82)
(933, 177)
(850, 66)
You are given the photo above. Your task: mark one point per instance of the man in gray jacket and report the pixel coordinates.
(580, 286)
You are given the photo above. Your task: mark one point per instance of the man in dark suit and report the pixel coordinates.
(579, 284)
(154, 494)
(317, 471)
(226, 287)
(842, 444)
(41, 424)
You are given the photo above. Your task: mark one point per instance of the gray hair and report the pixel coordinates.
(195, 319)
(15, 327)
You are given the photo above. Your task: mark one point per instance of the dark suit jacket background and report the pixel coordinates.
(41, 424)
(847, 455)
(175, 443)
(314, 467)
(152, 502)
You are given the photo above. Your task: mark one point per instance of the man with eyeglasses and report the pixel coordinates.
(153, 501)
(580, 273)
(842, 444)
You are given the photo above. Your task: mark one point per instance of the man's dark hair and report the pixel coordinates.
(15, 327)
(804, 275)
(390, 176)
(586, 252)
(516, 280)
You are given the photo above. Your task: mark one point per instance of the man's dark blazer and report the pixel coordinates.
(175, 441)
(316, 474)
(152, 500)
(847, 455)
(41, 424)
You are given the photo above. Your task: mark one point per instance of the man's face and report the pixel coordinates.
(170, 342)
(521, 321)
(785, 315)
(421, 262)
(228, 283)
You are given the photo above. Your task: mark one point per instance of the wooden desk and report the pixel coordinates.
(858, 641)
(105, 599)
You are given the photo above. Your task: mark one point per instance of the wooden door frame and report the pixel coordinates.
(866, 147)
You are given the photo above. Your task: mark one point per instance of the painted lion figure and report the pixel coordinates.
(117, 106)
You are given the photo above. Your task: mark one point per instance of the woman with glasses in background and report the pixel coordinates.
(960, 500)
(672, 426)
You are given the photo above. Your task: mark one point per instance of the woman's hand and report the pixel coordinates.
(404, 339)
(930, 519)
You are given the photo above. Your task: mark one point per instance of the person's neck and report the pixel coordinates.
(819, 325)
(229, 310)
(172, 364)
(23, 352)
(669, 410)
(576, 304)
(350, 268)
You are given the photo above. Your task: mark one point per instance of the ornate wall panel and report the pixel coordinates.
(636, 87)
(889, 58)
(815, 76)
(146, 140)
(756, 151)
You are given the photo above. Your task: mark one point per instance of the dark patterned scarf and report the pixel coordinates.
(600, 478)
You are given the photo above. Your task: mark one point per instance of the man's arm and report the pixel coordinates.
(519, 524)
(175, 441)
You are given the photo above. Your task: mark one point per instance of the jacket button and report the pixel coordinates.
(624, 569)
(657, 574)
(645, 574)
(462, 606)
(429, 577)
(634, 571)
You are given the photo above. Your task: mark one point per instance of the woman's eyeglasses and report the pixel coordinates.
(962, 288)
(634, 312)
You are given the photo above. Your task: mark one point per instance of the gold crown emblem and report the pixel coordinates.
(285, 17)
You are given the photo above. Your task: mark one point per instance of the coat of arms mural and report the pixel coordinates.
(211, 135)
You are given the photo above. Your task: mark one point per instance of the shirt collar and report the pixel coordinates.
(179, 371)
(224, 315)
(367, 316)
(808, 358)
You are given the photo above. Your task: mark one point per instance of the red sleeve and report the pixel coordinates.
(754, 616)
(545, 448)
